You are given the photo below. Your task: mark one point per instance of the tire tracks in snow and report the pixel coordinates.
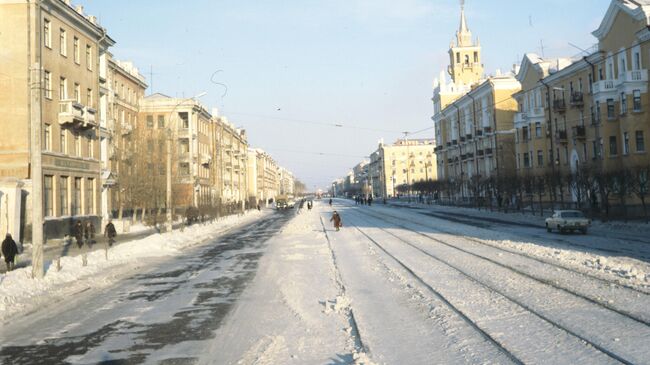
(481, 283)
(360, 349)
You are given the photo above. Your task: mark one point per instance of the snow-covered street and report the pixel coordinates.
(396, 285)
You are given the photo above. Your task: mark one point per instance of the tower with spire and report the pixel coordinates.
(465, 66)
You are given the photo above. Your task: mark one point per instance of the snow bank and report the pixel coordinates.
(20, 294)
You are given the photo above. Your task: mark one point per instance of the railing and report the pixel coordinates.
(577, 98)
(70, 112)
(579, 132)
(562, 136)
(559, 105)
(603, 86)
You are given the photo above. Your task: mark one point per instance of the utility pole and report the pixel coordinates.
(36, 172)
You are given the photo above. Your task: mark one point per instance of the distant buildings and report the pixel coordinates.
(105, 146)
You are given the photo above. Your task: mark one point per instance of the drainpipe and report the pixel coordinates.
(460, 150)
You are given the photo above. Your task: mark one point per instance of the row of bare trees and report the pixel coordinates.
(588, 189)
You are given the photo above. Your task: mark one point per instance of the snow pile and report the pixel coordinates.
(635, 272)
(19, 293)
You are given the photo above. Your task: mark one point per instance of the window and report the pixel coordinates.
(47, 138)
(184, 119)
(77, 145)
(77, 92)
(540, 158)
(63, 88)
(150, 169)
(63, 42)
(538, 129)
(597, 112)
(47, 33)
(457, 57)
(63, 196)
(89, 57)
(626, 143)
(150, 146)
(636, 104)
(76, 197)
(613, 149)
(90, 196)
(149, 121)
(89, 146)
(161, 121)
(475, 57)
(63, 142)
(610, 109)
(623, 104)
(526, 160)
(47, 80)
(640, 143)
(184, 168)
(161, 169)
(89, 98)
(637, 60)
(77, 56)
(184, 147)
(48, 198)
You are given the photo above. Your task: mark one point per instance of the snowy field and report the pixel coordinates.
(396, 285)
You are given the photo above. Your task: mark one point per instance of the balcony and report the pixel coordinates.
(71, 113)
(521, 118)
(480, 153)
(488, 151)
(126, 128)
(468, 136)
(479, 132)
(470, 155)
(603, 86)
(536, 113)
(562, 136)
(463, 157)
(487, 129)
(579, 132)
(634, 76)
(559, 105)
(448, 144)
(577, 99)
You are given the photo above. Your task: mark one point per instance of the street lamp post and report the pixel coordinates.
(170, 135)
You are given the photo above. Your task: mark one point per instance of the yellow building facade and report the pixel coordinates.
(57, 48)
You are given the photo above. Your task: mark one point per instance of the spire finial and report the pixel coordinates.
(462, 4)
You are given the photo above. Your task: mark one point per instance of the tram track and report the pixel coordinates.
(584, 339)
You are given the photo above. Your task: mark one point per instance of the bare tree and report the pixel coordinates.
(640, 186)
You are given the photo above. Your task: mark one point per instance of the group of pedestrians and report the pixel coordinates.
(363, 200)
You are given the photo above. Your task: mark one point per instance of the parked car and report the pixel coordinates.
(568, 221)
(281, 204)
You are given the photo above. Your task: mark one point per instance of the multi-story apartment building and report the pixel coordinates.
(286, 179)
(191, 128)
(262, 175)
(586, 114)
(403, 163)
(50, 67)
(473, 119)
(232, 161)
(122, 87)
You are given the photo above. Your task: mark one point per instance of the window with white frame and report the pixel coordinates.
(47, 33)
(89, 57)
(76, 51)
(626, 143)
(47, 80)
(63, 42)
(47, 137)
(623, 103)
(640, 142)
(63, 88)
(636, 101)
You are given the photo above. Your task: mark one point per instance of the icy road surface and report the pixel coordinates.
(394, 286)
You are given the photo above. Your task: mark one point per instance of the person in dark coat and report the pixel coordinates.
(110, 232)
(336, 218)
(330, 202)
(78, 233)
(9, 251)
(89, 232)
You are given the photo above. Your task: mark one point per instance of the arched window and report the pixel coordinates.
(467, 60)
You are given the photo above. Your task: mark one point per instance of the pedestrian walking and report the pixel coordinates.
(336, 218)
(89, 232)
(310, 204)
(330, 202)
(78, 233)
(370, 201)
(9, 251)
(110, 232)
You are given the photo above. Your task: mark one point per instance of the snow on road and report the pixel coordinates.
(19, 294)
(394, 286)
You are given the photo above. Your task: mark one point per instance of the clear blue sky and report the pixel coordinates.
(358, 63)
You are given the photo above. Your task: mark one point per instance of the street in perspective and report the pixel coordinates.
(324, 182)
